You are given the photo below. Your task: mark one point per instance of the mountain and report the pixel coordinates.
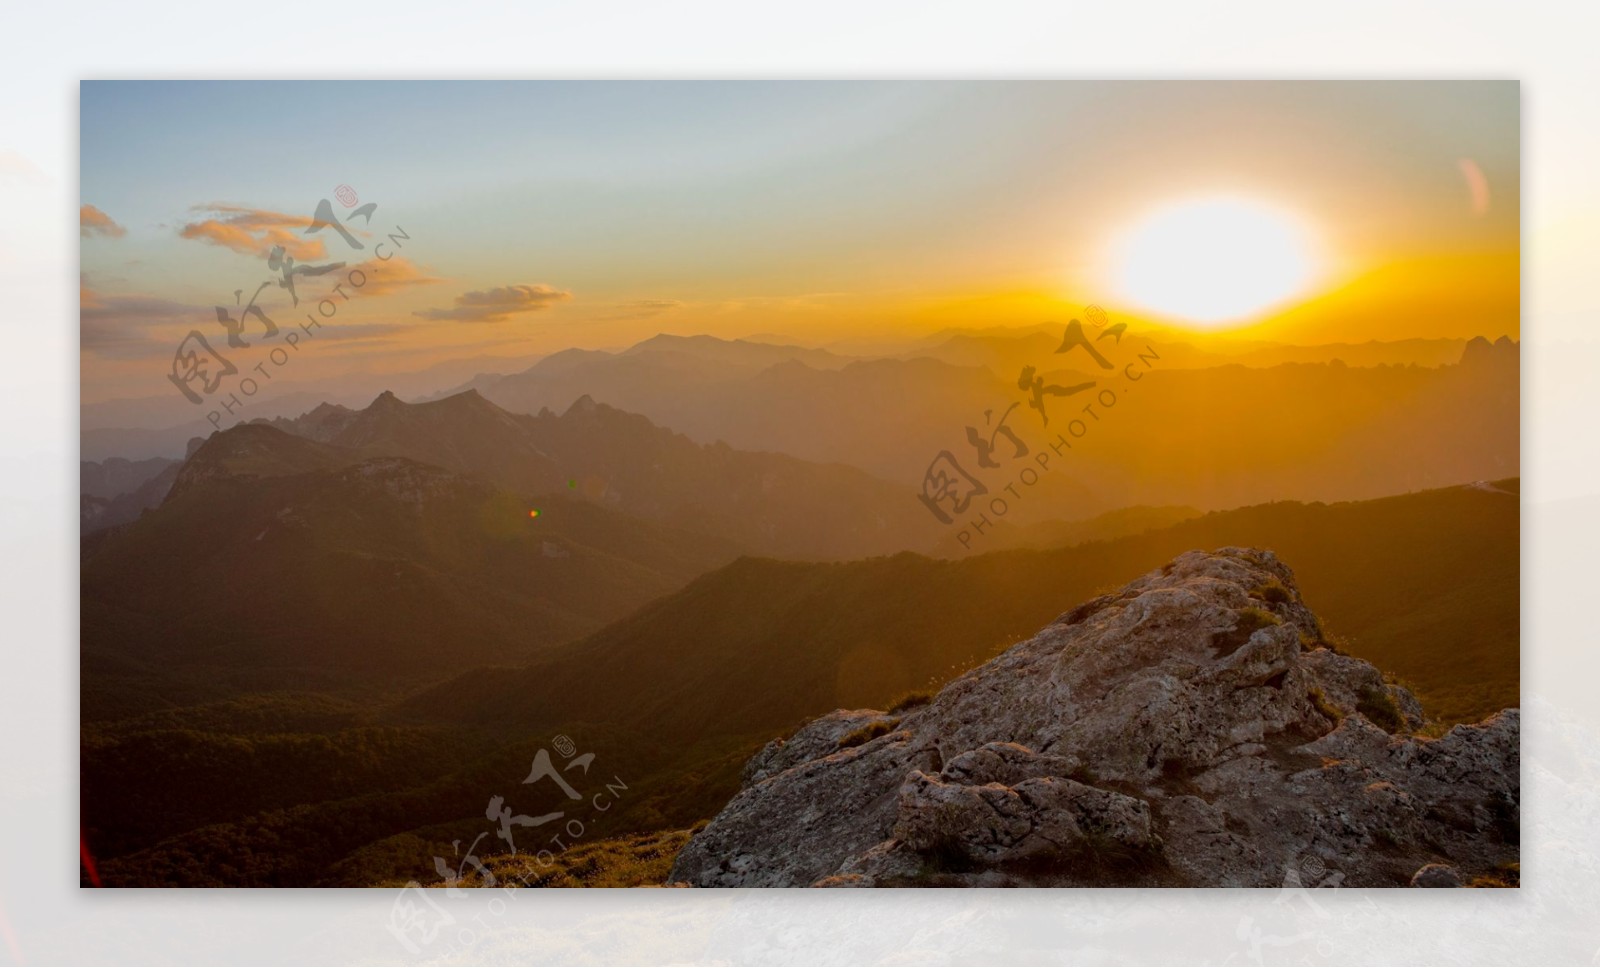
(118, 491)
(464, 433)
(749, 354)
(1358, 420)
(239, 780)
(649, 372)
(1504, 353)
(1003, 535)
(159, 425)
(1233, 435)
(1007, 352)
(114, 477)
(767, 503)
(1185, 433)
(162, 427)
(251, 452)
(278, 557)
(1423, 585)
(1190, 729)
(806, 403)
(321, 423)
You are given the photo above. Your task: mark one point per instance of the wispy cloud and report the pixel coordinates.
(497, 305)
(798, 302)
(92, 221)
(254, 231)
(392, 275)
(643, 308)
(118, 325)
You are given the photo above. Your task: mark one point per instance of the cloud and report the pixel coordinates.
(644, 308)
(254, 231)
(497, 305)
(117, 325)
(366, 334)
(92, 221)
(392, 275)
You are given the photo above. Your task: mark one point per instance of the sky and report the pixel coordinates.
(546, 215)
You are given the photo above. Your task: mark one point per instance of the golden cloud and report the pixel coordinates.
(497, 305)
(254, 231)
(119, 325)
(92, 221)
(644, 308)
(392, 275)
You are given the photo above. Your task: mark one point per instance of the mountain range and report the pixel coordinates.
(767, 503)
(674, 697)
(1423, 585)
(313, 646)
(1337, 431)
(279, 559)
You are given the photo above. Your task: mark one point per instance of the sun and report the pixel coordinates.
(1213, 261)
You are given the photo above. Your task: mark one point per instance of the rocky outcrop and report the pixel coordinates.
(1191, 729)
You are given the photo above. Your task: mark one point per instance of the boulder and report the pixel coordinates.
(1191, 729)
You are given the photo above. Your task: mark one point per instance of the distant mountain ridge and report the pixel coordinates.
(1324, 428)
(675, 695)
(1423, 585)
(117, 491)
(107, 479)
(274, 555)
(769, 503)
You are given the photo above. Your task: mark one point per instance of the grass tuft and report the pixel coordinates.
(867, 733)
(1253, 619)
(1379, 707)
(1273, 592)
(1329, 711)
(911, 700)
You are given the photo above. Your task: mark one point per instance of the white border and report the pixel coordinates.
(45, 49)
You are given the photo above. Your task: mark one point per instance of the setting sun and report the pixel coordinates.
(1213, 261)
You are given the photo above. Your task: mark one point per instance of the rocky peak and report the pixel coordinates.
(1190, 729)
(412, 484)
(251, 450)
(1480, 352)
(321, 423)
(581, 406)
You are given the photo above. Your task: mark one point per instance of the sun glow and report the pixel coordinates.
(1213, 261)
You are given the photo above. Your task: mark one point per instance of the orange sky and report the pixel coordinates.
(548, 215)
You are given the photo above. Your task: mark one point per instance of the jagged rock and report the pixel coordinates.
(995, 824)
(1190, 729)
(817, 738)
(1436, 875)
(1005, 763)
